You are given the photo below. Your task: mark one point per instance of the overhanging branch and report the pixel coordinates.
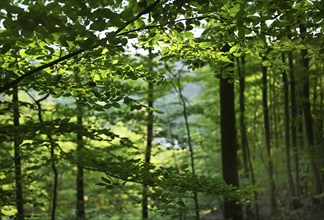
(33, 71)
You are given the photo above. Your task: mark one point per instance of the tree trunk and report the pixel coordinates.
(17, 158)
(244, 141)
(232, 209)
(247, 162)
(287, 130)
(148, 149)
(268, 137)
(308, 119)
(53, 165)
(80, 209)
(193, 169)
(55, 178)
(294, 123)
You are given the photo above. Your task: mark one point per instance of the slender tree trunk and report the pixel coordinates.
(55, 179)
(320, 120)
(273, 114)
(300, 139)
(244, 141)
(293, 109)
(17, 158)
(192, 160)
(80, 208)
(232, 209)
(268, 137)
(247, 162)
(148, 149)
(287, 130)
(308, 119)
(53, 165)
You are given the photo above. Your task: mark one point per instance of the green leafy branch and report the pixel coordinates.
(70, 55)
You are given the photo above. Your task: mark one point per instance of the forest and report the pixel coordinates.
(161, 109)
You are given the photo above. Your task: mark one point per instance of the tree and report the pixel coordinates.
(308, 117)
(17, 158)
(80, 207)
(232, 209)
(247, 163)
(149, 138)
(183, 102)
(287, 130)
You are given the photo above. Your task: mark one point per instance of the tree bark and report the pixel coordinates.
(247, 162)
(149, 140)
(293, 125)
(244, 141)
(192, 160)
(53, 165)
(309, 120)
(80, 207)
(268, 137)
(287, 130)
(17, 158)
(232, 209)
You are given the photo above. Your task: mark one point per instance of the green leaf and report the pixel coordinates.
(127, 14)
(101, 184)
(158, 111)
(116, 22)
(234, 49)
(205, 44)
(128, 100)
(266, 63)
(184, 166)
(225, 59)
(234, 10)
(8, 210)
(116, 105)
(181, 203)
(107, 181)
(241, 33)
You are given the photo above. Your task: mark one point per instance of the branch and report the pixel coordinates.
(145, 11)
(169, 22)
(32, 72)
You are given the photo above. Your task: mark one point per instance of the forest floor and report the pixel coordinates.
(308, 209)
(309, 212)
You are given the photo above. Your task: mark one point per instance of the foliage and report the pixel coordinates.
(94, 54)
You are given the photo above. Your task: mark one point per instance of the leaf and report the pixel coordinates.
(181, 203)
(184, 166)
(128, 100)
(205, 44)
(234, 48)
(116, 105)
(234, 10)
(127, 14)
(107, 181)
(101, 184)
(266, 63)
(8, 210)
(241, 33)
(158, 111)
(116, 22)
(112, 38)
(225, 59)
